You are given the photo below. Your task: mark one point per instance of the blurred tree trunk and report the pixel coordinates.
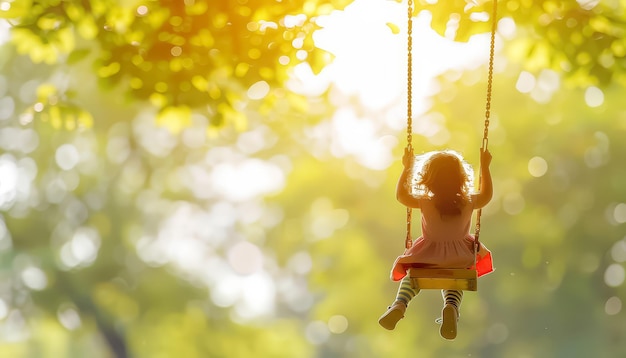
(86, 305)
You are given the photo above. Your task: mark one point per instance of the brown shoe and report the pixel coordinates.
(394, 313)
(450, 316)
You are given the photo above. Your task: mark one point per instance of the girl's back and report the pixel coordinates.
(441, 228)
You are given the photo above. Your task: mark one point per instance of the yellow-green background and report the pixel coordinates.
(118, 118)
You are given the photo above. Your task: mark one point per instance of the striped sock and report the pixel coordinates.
(452, 297)
(406, 292)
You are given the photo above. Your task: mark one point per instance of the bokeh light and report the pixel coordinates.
(537, 167)
(614, 275)
(618, 251)
(613, 306)
(317, 332)
(525, 82)
(594, 97)
(337, 324)
(245, 258)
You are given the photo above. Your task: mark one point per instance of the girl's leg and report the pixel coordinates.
(450, 313)
(406, 292)
(395, 312)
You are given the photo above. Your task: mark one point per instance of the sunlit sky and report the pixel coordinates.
(370, 64)
(371, 60)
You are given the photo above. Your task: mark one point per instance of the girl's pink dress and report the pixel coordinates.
(445, 243)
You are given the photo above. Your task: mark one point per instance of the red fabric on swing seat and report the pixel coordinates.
(484, 264)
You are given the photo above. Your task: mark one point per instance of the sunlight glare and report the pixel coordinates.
(588, 4)
(525, 82)
(304, 81)
(291, 21)
(247, 179)
(356, 136)
(258, 296)
(251, 296)
(258, 90)
(507, 27)
(226, 291)
(367, 54)
(9, 175)
(370, 56)
(368, 44)
(5, 32)
(480, 16)
(452, 26)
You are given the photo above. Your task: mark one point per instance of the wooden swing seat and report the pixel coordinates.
(444, 279)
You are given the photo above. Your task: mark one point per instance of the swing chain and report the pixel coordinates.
(409, 110)
(409, 240)
(494, 24)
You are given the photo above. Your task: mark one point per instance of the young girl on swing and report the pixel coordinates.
(440, 188)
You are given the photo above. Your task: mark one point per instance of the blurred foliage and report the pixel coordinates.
(177, 55)
(121, 236)
(584, 39)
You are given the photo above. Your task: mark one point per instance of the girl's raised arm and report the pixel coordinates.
(485, 194)
(403, 193)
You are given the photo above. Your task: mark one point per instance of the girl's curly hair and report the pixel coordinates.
(446, 177)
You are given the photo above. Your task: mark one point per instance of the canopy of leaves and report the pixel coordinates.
(584, 39)
(177, 55)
